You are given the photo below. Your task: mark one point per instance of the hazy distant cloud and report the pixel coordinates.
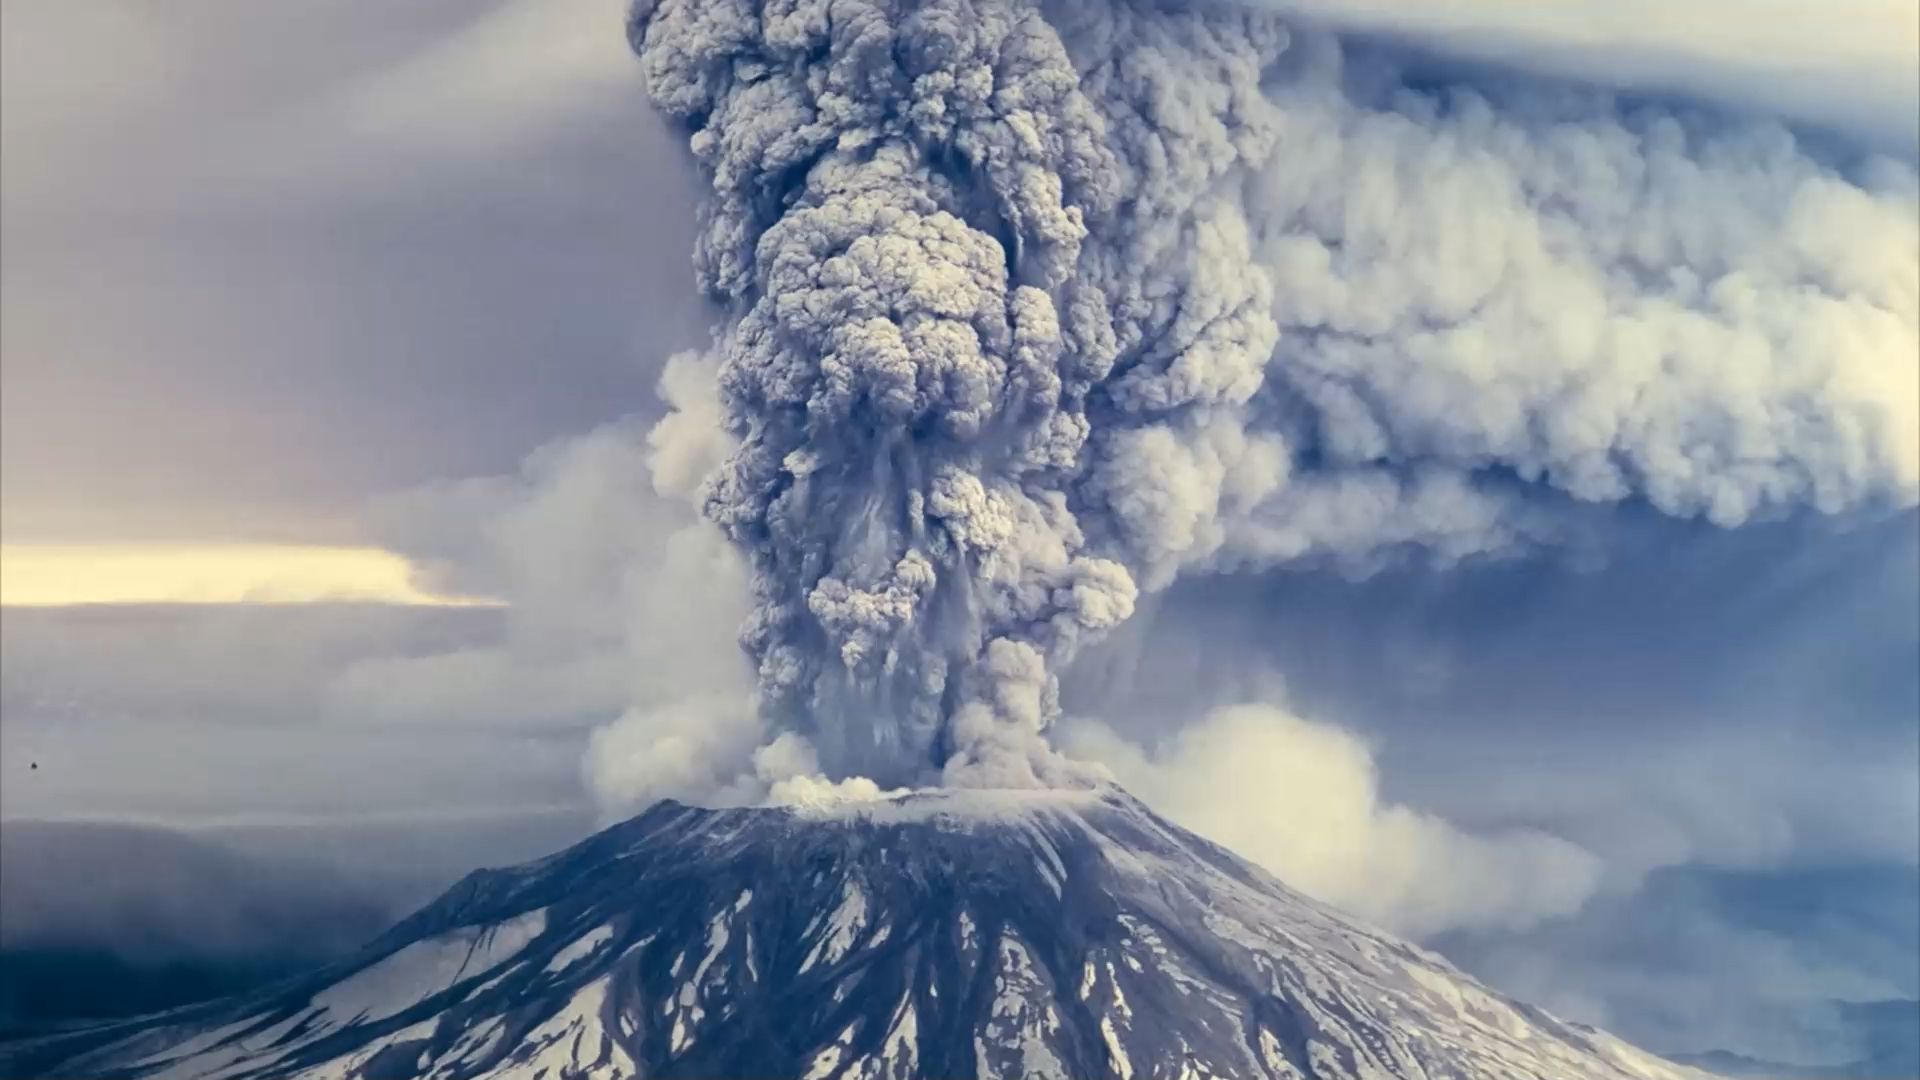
(104, 919)
(353, 108)
(1701, 960)
(46, 89)
(154, 895)
(225, 224)
(1850, 64)
(513, 71)
(1303, 799)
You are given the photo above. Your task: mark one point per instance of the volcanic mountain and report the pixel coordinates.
(1053, 934)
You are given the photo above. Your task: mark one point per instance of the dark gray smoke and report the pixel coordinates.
(1035, 305)
(927, 339)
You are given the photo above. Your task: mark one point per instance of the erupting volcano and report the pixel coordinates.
(1063, 935)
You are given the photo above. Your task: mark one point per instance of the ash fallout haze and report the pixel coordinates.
(1461, 459)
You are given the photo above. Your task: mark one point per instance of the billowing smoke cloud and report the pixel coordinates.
(1034, 306)
(1613, 306)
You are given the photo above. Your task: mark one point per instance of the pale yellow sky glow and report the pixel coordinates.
(56, 575)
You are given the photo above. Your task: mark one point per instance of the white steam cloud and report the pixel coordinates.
(1035, 306)
(1303, 800)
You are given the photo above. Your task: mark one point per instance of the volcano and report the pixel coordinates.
(948, 934)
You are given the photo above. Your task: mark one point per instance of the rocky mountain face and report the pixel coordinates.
(943, 934)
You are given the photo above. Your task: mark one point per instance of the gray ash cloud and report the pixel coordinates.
(1032, 307)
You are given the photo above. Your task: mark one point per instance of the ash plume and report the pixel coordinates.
(1034, 306)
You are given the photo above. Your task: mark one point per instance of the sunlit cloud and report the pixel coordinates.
(56, 575)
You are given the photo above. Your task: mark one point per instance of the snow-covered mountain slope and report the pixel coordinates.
(953, 934)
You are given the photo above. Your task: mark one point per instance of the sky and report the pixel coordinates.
(399, 291)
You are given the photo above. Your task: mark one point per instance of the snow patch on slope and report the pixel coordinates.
(843, 926)
(588, 944)
(1016, 1037)
(573, 1043)
(422, 969)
